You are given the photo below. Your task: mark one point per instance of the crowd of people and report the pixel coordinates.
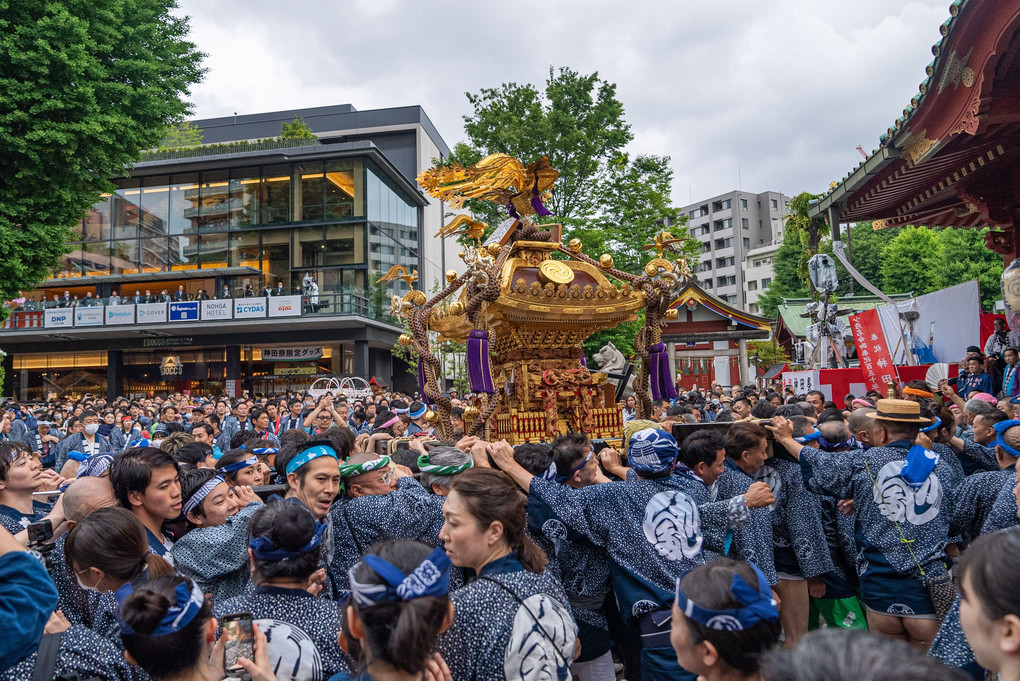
(796, 539)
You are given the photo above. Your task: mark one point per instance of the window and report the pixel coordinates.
(708, 283)
(745, 223)
(743, 204)
(747, 242)
(724, 262)
(766, 282)
(775, 205)
(724, 243)
(726, 281)
(723, 224)
(752, 285)
(753, 308)
(705, 248)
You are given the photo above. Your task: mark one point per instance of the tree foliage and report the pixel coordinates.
(182, 136)
(765, 353)
(296, 130)
(84, 87)
(910, 260)
(787, 281)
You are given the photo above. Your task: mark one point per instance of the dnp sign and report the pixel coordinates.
(249, 308)
(58, 319)
(184, 312)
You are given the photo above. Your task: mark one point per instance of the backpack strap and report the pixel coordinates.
(46, 657)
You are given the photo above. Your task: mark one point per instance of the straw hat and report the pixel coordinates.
(902, 411)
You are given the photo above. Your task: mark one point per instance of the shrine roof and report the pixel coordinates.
(791, 309)
(692, 295)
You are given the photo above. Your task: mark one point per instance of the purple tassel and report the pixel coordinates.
(478, 362)
(512, 211)
(421, 382)
(536, 201)
(584, 361)
(662, 383)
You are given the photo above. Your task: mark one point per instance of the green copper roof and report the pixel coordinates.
(791, 309)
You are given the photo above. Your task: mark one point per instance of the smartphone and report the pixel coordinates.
(240, 641)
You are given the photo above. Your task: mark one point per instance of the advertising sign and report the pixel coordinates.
(285, 306)
(119, 314)
(58, 319)
(291, 354)
(147, 313)
(172, 366)
(295, 371)
(88, 316)
(249, 308)
(217, 309)
(801, 381)
(184, 312)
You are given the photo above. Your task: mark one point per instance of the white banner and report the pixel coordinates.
(291, 354)
(249, 308)
(949, 317)
(148, 313)
(285, 306)
(217, 309)
(59, 318)
(88, 316)
(119, 314)
(801, 381)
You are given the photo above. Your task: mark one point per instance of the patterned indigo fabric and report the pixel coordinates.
(15, 521)
(799, 521)
(408, 512)
(752, 542)
(216, 558)
(1003, 513)
(84, 653)
(518, 628)
(951, 645)
(975, 497)
(975, 457)
(302, 631)
(650, 529)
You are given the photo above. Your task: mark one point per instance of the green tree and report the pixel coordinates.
(84, 87)
(185, 135)
(786, 278)
(910, 262)
(965, 257)
(765, 353)
(866, 248)
(296, 130)
(622, 336)
(576, 121)
(809, 230)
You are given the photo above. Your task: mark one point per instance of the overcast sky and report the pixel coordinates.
(773, 94)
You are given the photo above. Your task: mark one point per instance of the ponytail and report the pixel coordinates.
(157, 566)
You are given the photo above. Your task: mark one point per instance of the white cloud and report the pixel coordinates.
(785, 90)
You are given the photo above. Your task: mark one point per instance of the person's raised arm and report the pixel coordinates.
(314, 414)
(502, 454)
(782, 430)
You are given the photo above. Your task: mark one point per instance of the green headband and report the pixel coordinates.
(425, 465)
(349, 470)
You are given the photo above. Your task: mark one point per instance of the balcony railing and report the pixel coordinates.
(98, 312)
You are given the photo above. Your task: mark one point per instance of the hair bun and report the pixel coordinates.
(144, 610)
(294, 527)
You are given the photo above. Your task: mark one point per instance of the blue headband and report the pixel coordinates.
(239, 465)
(310, 455)
(756, 605)
(563, 478)
(827, 446)
(78, 456)
(264, 549)
(260, 450)
(1000, 431)
(430, 578)
(550, 472)
(935, 424)
(217, 453)
(188, 603)
(809, 437)
(418, 414)
(199, 496)
(94, 466)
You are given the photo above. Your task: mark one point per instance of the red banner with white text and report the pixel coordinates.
(872, 349)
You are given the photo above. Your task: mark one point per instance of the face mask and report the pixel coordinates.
(91, 428)
(157, 443)
(84, 586)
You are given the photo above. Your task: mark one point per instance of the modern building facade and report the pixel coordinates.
(316, 222)
(730, 227)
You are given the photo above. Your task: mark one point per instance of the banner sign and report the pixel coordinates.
(285, 306)
(88, 316)
(295, 371)
(876, 360)
(800, 381)
(292, 354)
(184, 312)
(148, 313)
(217, 309)
(172, 366)
(249, 308)
(58, 319)
(119, 314)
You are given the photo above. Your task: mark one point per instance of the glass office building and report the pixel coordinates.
(320, 220)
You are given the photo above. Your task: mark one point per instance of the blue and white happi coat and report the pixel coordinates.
(216, 558)
(510, 624)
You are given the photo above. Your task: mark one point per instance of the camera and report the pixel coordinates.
(40, 541)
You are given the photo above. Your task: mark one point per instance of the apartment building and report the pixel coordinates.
(733, 227)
